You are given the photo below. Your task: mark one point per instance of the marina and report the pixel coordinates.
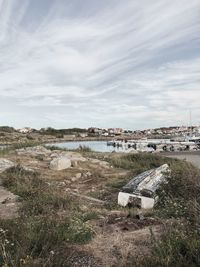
(157, 145)
(133, 146)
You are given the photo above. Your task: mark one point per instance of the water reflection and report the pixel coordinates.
(98, 146)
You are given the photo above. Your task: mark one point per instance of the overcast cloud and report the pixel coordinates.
(74, 63)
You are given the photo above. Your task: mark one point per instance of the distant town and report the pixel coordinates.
(26, 134)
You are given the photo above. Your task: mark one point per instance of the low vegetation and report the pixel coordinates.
(10, 148)
(51, 223)
(84, 148)
(178, 208)
(179, 203)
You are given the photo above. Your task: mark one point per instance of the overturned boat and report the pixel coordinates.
(140, 191)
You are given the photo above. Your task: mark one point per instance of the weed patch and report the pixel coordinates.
(40, 230)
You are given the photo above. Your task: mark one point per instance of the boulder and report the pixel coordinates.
(74, 163)
(78, 175)
(88, 174)
(102, 163)
(73, 156)
(5, 164)
(60, 163)
(6, 196)
(73, 179)
(34, 151)
(8, 204)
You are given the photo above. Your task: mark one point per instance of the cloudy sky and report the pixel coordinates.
(106, 63)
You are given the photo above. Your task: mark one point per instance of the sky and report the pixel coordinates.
(109, 63)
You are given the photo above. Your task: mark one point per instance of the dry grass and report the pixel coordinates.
(64, 222)
(121, 248)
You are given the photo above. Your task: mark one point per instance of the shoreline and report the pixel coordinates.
(60, 140)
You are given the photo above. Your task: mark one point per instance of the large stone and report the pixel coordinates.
(5, 164)
(102, 163)
(60, 163)
(8, 204)
(34, 151)
(6, 196)
(74, 156)
(78, 175)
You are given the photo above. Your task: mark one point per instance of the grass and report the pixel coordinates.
(138, 163)
(83, 148)
(54, 147)
(13, 147)
(49, 221)
(178, 207)
(179, 201)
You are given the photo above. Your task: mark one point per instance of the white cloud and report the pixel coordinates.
(132, 64)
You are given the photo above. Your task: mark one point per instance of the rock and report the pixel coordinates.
(67, 189)
(131, 150)
(6, 196)
(5, 164)
(73, 179)
(60, 163)
(88, 174)
(95, 161)
(140, 216)
(34, 151)
(78, 175)
(27, 169)
(74, 156)
(8, 204)
(75, 190)
(54, 155)
(61, 184)
(67, 182)
(74, 163)
(102, 163)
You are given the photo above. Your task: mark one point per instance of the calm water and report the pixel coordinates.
(3, 146)
(98, 146)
